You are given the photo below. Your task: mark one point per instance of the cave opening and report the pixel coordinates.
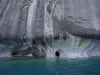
(57, 54)
(14, 53)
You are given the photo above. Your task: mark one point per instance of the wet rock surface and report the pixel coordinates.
(15, 49)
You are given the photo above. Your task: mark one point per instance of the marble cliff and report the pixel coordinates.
(50, 20)
(43, 18)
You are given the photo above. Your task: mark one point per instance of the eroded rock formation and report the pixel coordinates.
(47, 18)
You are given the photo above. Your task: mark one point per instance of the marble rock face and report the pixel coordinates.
(47, 18)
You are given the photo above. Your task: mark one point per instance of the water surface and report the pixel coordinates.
(49, 66)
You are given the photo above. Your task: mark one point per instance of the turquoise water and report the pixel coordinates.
(49, 66)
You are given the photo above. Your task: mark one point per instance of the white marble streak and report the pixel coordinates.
(48, 21)
(31, 20)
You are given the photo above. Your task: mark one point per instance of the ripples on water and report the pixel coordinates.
(51, 66)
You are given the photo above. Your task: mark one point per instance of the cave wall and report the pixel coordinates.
(33, 18)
